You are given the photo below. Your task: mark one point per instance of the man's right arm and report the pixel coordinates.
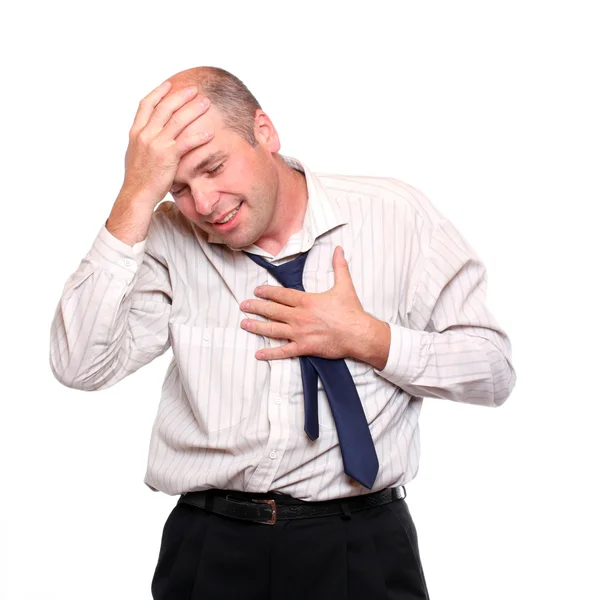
(113, 315)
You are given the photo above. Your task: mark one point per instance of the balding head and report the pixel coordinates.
(226, 93)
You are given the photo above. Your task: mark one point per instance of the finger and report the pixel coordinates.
(270, 310)
(186, 142)
(285, 351)
(148, 103)
(164, 110)
(281, 295)
(196, 134)
(200, 124)
(185, 116)
(270, 329)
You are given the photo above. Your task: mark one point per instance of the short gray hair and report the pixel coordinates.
(233, 99)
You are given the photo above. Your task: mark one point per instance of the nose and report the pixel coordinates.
(205, 200)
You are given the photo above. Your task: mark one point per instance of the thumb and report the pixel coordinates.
(341, 273)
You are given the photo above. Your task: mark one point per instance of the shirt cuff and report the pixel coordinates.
(408, 348)
(117, 257)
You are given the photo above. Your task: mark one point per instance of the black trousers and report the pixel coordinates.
(372, 555)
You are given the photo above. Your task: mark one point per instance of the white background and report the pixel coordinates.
(490, 108)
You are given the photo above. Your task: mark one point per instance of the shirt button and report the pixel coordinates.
(278, 400)
(273, 455)
(127, 262)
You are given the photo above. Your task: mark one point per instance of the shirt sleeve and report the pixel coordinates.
(112, 317)
(453, 348)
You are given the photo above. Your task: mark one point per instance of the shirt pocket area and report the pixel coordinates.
(219, 373)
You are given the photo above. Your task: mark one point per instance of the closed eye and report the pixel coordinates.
(215, 170)
(212, 172)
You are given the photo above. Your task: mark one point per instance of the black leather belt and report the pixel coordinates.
(271, 507)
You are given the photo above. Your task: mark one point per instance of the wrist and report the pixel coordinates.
(371, 344)
(137, 197)
(129, 220)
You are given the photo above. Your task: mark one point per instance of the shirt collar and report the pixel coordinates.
(322, 215)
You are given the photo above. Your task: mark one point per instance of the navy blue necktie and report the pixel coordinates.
(358, 450)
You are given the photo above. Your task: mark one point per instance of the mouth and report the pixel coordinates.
(229, 220)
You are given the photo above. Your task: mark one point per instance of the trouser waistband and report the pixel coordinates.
(270, 507)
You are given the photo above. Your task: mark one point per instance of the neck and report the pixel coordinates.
(290, 208)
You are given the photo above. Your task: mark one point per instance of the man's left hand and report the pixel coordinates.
(328, 324)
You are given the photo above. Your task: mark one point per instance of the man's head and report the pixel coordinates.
(237, 170)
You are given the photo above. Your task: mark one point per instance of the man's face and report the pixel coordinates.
(227, 187)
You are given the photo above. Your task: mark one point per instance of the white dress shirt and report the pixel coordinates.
(227, 420)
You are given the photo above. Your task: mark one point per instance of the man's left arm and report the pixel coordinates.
(453, 347)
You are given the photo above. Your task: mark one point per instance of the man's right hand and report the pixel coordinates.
(159, 137)
(166, 127)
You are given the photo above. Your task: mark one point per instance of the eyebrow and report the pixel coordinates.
(211, 158)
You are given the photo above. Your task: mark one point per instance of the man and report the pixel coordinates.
(288, 417)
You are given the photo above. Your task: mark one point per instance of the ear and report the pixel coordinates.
(265, 132)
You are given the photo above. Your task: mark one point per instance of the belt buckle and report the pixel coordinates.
(273, 506)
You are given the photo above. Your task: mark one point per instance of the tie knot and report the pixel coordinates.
(289, 274)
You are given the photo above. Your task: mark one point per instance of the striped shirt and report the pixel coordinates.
(227, 420)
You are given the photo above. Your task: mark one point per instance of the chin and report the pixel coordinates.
(238, 242)
(235, 246)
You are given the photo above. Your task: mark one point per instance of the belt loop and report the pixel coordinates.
(399, 493)
(347, 514)
(209, 502)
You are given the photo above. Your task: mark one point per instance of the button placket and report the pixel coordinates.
(279, 428)
(272, 341)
